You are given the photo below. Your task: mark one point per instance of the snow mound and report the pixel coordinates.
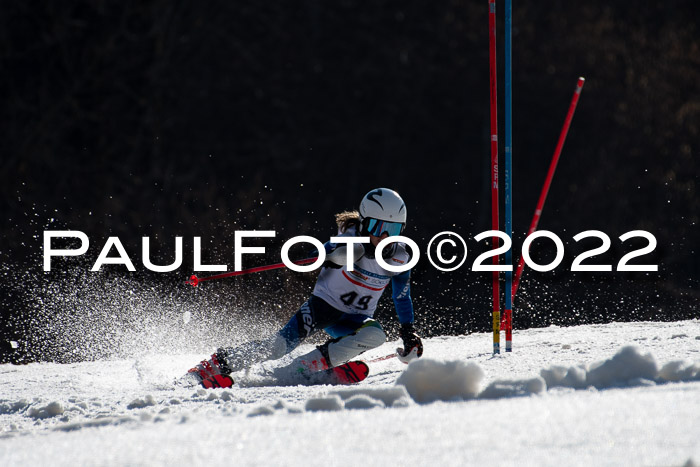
(572, 377)
(628, 367)
(680, 370)
(13, 407)
(52, 409)
(395, 396)
(262, 410)
(278, 407)
(147, 401)
(99, 422)
(342, 399)
(324, 404)
(350, 399)
(514, 388)
(428, 380)
(363, 402)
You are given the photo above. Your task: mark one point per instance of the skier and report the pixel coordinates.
(342, 303)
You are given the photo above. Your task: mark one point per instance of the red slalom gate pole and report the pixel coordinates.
(493, 90)
(194, 280)
(550, 175)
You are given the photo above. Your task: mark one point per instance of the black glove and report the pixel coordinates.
(410, 340)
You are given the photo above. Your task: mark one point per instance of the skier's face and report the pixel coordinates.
(375, 240)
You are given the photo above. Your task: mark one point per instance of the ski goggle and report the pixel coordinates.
(377, 227)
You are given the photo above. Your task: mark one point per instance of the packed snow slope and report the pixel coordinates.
(614, 394)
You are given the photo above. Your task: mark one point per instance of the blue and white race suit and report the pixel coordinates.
(358, 291)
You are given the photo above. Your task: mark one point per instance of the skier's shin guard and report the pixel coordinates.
(245, 355)
(344, 349)
(279, 347)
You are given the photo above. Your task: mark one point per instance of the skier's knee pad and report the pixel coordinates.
(346, 348)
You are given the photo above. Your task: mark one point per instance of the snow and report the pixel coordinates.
(429, 380)
(330, 403)
(614, 394)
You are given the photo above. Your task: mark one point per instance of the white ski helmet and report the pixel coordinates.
(382, 204)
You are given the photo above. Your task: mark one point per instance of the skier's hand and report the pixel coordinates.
(412, 345)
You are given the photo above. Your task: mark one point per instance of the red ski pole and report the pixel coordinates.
(194, 280)
(548, 180)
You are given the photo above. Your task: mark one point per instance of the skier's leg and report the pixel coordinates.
(351, 336)
(314, 314)
(343, 348)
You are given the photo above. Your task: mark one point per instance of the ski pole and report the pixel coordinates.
(548, 180)
(194, 280)
(385, 357)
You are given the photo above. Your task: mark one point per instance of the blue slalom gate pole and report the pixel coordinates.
(508, 312)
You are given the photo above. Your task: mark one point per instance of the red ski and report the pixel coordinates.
(349, 373)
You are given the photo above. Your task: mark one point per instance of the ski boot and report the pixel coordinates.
(212, 373)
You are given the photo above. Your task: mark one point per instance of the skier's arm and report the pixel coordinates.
(328, 246)
(337, 253)
(401, 293)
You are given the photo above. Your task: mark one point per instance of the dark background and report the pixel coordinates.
(167, 119)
